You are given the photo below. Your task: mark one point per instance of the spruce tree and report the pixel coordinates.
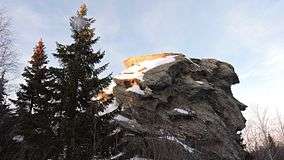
(84, 131)
(6, 122)
(4, 107)
(35, 109)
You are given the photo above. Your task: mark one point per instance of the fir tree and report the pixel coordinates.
(35, 109)
(83, 130)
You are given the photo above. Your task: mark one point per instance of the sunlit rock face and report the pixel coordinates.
(148, 57)
(176, 108)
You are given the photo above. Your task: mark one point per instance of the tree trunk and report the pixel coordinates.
(94, 136)
(73, 139)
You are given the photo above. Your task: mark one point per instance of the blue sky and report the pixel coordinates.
(247, 34)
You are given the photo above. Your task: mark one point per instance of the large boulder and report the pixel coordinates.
(180, 109)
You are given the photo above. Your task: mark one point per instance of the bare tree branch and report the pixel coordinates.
(7, 53)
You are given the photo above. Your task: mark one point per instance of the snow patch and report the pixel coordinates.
(118, 155)
(106, 91)
(181, 111)
(117, 130)
(138, 158)
(109, 108)
(137, 70)
(193, 63)
(172, 138)
(18, 138)
(199, 82)
(121, 118)
(136, 89)
(109, 89)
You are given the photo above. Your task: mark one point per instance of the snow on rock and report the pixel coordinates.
(181, 111)
(117, 130)
(18, 138)
(136, 89)
(105, 94)
(121, 118)
(109, 108)
(138, 158)
(137, 70)
(199, 82)
(172, 138)
(109, 89)
(118, 155)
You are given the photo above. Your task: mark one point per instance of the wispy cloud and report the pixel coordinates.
(258, 30)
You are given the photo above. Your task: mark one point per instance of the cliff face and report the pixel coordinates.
(175, 108)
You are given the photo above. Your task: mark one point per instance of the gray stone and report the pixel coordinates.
(201, 87)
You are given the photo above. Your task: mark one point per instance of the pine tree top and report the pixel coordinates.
(82, 10)
(39, 54)
(39, 47)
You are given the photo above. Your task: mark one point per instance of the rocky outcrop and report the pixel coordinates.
(179, 110)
